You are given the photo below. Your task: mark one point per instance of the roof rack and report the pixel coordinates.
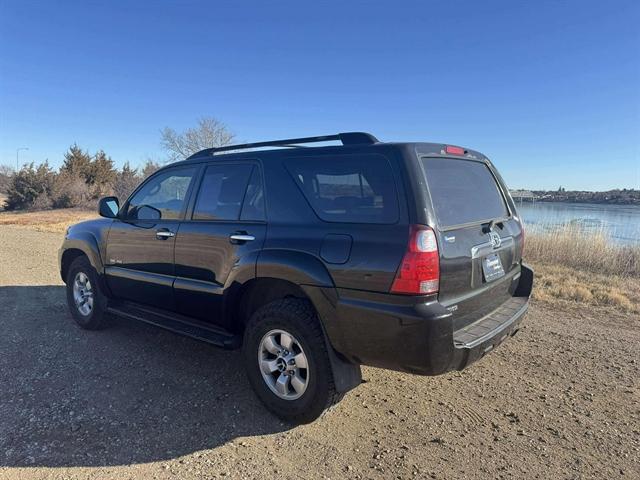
(347, 138)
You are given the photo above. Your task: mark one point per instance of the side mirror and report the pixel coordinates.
(108, 207)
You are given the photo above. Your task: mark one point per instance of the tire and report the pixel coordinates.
(296, 319)
(94, 317)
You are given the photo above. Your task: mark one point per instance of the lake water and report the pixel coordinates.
(621, 222)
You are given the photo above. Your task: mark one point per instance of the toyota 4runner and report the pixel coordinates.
(314, 261)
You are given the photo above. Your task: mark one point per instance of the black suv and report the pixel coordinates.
(314, 261)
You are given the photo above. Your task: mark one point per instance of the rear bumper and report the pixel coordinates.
(479, 338)
(395, 332)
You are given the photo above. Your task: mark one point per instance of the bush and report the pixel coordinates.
(42, 202)
(70, 190)
(28, 185)
(96, 172)
(125, 182)
(81, 181)
(102, 175)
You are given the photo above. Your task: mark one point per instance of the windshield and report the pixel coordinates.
(463, 191)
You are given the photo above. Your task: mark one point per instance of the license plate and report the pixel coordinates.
(492, 267)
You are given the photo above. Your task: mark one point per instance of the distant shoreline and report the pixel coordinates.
(610, 197)
(586, 202)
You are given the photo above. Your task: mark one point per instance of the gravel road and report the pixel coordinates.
(559, 400)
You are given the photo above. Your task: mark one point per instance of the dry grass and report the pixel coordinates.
(55, 221)
(557, 282)
(571, 246)
(585, 268)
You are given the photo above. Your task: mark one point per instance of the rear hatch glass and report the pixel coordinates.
(463, 191)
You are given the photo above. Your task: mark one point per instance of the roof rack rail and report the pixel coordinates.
(347, 138)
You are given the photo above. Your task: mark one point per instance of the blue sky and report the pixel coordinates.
(549, 90)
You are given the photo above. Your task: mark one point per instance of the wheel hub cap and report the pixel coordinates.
(283, 364)
(83, 294)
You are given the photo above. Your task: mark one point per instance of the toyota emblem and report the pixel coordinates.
(495, 239)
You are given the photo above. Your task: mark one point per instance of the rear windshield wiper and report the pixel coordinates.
(487, 227)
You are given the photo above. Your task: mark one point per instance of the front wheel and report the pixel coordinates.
(285, 355)
(86, 302)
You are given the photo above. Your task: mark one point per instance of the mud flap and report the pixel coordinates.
(346, 375)
(525, 285)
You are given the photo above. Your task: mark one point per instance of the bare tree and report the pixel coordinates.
(210, 132)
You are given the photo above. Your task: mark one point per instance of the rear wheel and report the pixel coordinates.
(285, 355)
(86, 302)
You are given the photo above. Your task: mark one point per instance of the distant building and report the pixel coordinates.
(523, 195)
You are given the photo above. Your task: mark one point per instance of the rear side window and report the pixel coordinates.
(253, 206)
(349, 188)
(221, 192)
(463, 191)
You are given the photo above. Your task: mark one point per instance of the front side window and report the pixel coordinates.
(162, 197)
(222, 191)
(349, 188)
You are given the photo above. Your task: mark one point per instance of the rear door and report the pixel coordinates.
(224, 228)
(479, 234)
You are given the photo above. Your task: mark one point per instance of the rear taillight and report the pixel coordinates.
(419, 272)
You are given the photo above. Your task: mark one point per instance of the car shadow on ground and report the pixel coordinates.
(131, 393)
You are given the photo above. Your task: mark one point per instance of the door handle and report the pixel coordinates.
(164, 234)
(241, 237)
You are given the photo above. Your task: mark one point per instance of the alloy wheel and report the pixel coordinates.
(283, 364)
(83, 294)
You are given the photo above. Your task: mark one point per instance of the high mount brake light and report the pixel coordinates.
(454, 150)
(419, 272)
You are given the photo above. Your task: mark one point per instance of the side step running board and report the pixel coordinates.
(177, 324)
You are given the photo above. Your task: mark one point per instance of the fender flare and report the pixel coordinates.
(87, 243)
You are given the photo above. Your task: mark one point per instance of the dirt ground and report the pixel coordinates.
(559, 400)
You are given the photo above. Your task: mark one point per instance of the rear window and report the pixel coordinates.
(348, 188)
(463, 191)
(221, 192)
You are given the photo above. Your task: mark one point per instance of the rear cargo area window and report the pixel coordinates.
(463, 191)
(348, 188)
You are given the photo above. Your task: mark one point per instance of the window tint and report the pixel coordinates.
(253, 206)
(463, 191)
(162, 197)
(221, 193)
(354, 189)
